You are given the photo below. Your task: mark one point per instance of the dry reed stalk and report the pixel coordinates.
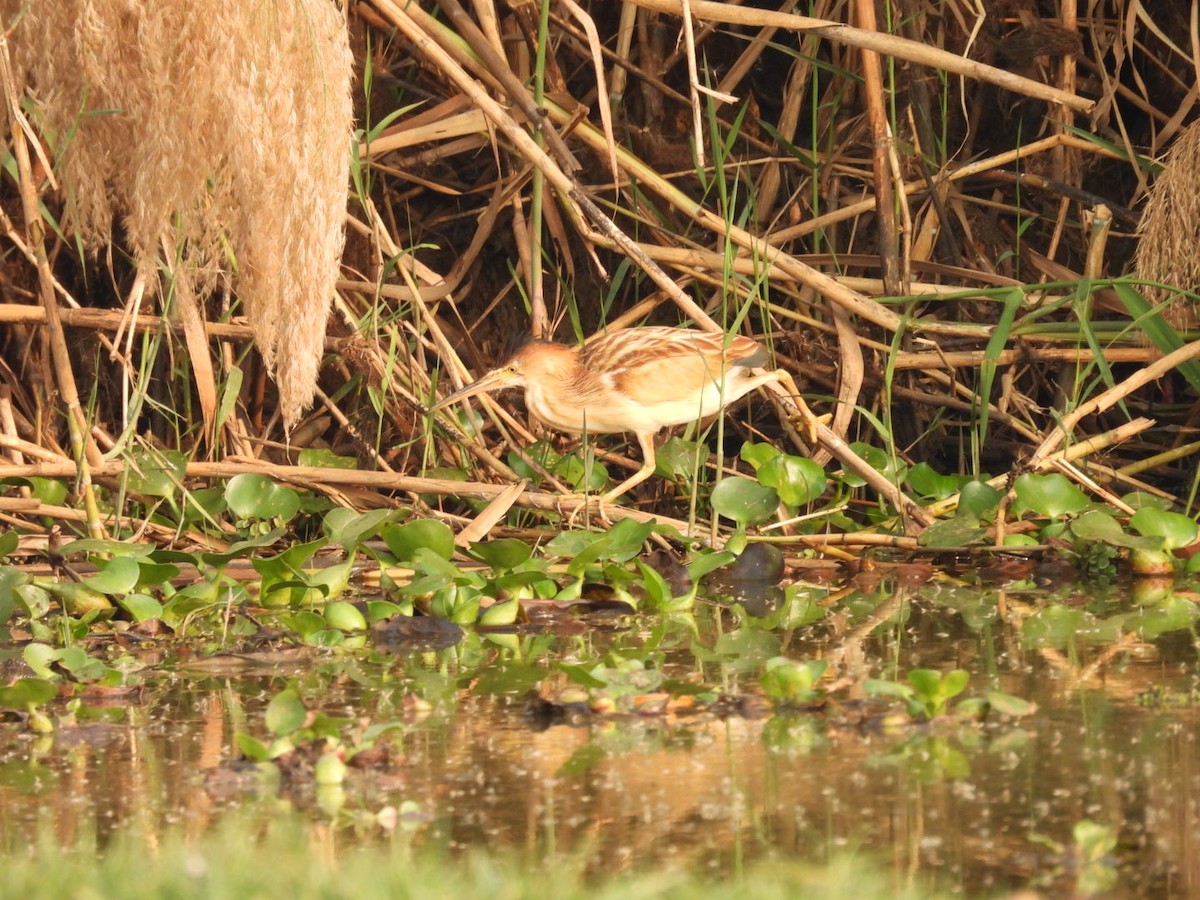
(224, 133)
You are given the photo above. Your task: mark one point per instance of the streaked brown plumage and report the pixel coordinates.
(638, 379)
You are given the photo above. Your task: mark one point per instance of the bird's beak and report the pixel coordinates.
(492, 381)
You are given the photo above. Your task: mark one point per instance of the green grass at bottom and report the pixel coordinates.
(292, 859)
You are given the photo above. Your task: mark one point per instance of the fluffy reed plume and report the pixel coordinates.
(1170, 234)
(224, 132)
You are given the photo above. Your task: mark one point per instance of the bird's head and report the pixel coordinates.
(535, 362)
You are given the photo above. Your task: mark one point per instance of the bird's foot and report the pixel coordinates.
(809, 423)
(585, 504)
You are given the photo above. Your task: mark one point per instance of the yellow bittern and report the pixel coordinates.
(637, 379)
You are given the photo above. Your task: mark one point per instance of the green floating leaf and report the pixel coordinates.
(25, 693)
(500, 614)
(141, 607)
(156, 473)
(9, 541)
(949, 533)
(979, 499)
(429, 534)
(1010, 705)
(1050, 495)
(797, 481)
(789, 681)
(502, 555)
(324, 458)
(99, 546)
(540, 452)
(204, 505)
(929, 483)
(678, 458)
(344, 616)
(758, 455)
(1174, 529)
(582, 474)
(254, 496)
(709, 561)
(117, 576)
(349, 528)
(744, 501)
(1097, 526)
(286, 712)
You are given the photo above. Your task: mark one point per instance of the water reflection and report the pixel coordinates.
(979, 806)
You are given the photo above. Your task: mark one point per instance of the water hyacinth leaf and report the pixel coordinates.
(32, 599)
(286, 712)
(789, 681)
(379, 610)
(9, 541)
(289, 562)
(156, 473)
(500, 614)
(141, 607)
(407, 540)
(77, 599)
(50, 491)
(1010, 705)
(878, 687)
(582, 474)
(930, 484)
(540, 452)
(1100, 527)
(1140, 499)
(254, 496)
(501, 555)
(979, 499)
(116, 576)
(569, 544)
(334, 579)
(1174, 529)
(203, 504)
(25, 693)
(236, 551)
(624, 540)
(678, 458)
(344, 616)
(709, 562)
(959, 531)
(101, 547)
(1050, 495)
(40, 657)
(349, 529)
(744, 501)
(324, 458)
(758, 454)
(154, 575)
(796, 480)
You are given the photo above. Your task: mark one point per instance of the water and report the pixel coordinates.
(476, 760)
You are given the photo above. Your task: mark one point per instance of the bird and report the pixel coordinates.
(638, 380)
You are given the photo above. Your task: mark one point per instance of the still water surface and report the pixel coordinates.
(979, 808)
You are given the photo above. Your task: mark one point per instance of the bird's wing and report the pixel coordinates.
(664, 365)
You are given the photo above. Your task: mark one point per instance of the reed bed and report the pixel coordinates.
(931, 215)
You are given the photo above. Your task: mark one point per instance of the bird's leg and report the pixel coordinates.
(809, 421)
(647, 442)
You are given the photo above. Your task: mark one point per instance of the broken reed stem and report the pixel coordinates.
(83, 448)
(318, 477)
(886, 44)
